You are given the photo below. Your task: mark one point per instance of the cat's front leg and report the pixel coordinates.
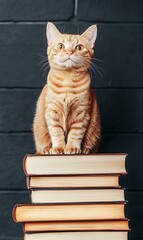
(56, 132)
(76, 134)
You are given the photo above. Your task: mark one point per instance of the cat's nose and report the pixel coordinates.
(69, 53)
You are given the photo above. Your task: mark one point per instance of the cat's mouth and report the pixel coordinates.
(69, 59)
(67, 62)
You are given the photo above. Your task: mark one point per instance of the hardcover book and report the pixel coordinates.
(74, 164)
(68, 212)
(77, 195)
(73, 181)
(90, 225)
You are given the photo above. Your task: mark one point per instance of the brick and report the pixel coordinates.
(10, 229)
(21, 47)
(35, 10)
(121, 109)
(134, 211)
(118, 45)
(13, 148)
(110, 11)
(17, 109)
(132, 145)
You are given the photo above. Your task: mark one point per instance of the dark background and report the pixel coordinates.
(119, 91)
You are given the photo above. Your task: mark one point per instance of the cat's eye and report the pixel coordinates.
(79, 47)
(60, 46)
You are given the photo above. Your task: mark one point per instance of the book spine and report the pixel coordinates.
(24, 165)
(28, 182)
(14, 213)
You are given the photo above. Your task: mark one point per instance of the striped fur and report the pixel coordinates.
(67, 118)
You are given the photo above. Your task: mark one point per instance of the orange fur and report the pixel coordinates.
(67, 118)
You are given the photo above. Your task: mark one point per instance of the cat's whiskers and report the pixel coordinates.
(44, 70)
(44, 60)
(88, 68)
(95, 68)
(42, 56)
(96, 59)
(88, 65)
(92, 62)
(44, 65)
(92, 69)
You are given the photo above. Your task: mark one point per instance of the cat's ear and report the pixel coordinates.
(90, 35)
(52, 32)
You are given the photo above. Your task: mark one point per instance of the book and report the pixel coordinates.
(77, 195)
(74, 164)
(90, 235)
(73, 181)
(68, 212)
(91, 225)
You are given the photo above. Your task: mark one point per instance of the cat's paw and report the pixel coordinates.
(72, 150)
(86, 150)
(46, 150)
(56, 150)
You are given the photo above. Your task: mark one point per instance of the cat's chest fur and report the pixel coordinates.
(67, 87)
(60, 108)
(66, 95)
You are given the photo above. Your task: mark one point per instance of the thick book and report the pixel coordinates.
(73, 181)
(89, 235)
(91, 225)
(74, 164)
(77, 195)
(68, 212)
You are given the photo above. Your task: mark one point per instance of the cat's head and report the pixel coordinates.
(68, 50)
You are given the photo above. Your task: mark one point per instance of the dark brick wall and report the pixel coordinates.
(119, 91)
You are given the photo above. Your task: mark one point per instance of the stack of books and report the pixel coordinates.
(74, 197)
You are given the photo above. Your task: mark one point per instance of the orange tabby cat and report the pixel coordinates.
(67, 118)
